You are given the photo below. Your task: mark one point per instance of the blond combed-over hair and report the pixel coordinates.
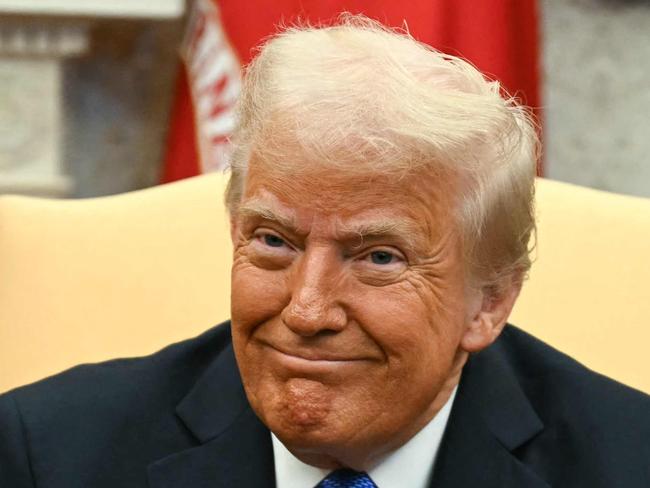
(359, 97)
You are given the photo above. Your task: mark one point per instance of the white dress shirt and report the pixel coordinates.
(411, 465)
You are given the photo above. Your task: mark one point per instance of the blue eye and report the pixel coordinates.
(381, 257)
(273, 240)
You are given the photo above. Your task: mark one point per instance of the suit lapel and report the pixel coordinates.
(235, 449)
(490, 418)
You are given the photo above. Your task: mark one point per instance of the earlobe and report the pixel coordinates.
(489, 317)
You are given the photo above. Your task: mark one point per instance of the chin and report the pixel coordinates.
(320, 445)
(302, 404)
(312, 421)
(300, 412)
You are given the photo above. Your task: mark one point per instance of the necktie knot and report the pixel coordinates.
(347, 478)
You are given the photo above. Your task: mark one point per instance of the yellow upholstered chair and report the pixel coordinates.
(93, 279)
(589, 290)
(88, 280)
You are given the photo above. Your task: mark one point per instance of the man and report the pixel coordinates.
(381, 212)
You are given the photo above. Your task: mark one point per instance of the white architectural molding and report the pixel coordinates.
(43, 40)
(33, 44)
(96, 8)
(31, 128)
(56, 186)
(31, 121)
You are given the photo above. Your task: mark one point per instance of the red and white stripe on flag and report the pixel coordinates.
(214, 79)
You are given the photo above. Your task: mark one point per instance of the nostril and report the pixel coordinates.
(328, 332)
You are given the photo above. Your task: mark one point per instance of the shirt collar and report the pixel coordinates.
(410, 465)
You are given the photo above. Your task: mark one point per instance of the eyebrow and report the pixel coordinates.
(401, 230)
(258, 209)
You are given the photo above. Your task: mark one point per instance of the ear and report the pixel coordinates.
(489, 311)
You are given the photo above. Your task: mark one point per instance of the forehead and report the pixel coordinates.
(419, 199)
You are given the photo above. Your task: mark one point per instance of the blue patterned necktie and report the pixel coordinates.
(346, 478)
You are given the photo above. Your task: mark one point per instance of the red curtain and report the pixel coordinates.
(500, 37)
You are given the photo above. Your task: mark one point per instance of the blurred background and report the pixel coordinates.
(99, 98)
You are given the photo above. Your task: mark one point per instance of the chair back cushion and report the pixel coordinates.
(88, 280)
(589, 289)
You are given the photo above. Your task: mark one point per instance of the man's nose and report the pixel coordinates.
(315, 288)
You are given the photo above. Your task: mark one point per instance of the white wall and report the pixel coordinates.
(597, 93)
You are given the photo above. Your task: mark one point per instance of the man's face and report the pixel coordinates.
(348, 308)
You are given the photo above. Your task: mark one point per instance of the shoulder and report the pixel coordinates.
(100, 424)
(163, 376)
(78, 417)
(546, 373)
(591, 421)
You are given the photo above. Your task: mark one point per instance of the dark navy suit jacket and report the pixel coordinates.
(525, 416)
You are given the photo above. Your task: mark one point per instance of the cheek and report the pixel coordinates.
(413, 327)
(405, 308)
(257, 295)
